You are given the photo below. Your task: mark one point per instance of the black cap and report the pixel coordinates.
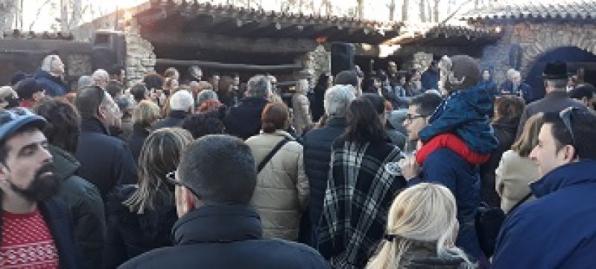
(27, 87)
(555, 70)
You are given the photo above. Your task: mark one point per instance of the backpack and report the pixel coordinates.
(488, 222)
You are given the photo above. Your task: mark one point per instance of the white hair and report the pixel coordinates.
(182, 100)
(205, 95)
(301, 86)
(100, 76)
(46, 64)
(84, 81)
(259, 86)
(337, 100)
(425, 212)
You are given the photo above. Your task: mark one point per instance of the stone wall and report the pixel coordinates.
(140, 55)
(315, 63)
(524, 42)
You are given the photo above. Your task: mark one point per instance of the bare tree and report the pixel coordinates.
(360, 9)
(391, 7)
(8, 10)
(404, 10)
(436, 10)
(421, 10)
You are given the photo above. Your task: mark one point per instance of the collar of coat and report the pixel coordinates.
(279, 133)
(218, 223)
(576, 173)
(94, 125)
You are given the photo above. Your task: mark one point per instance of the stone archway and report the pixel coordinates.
(547, 37)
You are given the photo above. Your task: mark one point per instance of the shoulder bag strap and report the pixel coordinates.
(271, 154)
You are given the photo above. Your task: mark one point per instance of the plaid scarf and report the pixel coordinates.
(357, 199)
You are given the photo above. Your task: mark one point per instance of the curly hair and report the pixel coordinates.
(64, 123)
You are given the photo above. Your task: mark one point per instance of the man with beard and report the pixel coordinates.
(35, 228)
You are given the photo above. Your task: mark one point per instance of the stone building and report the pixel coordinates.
(534, 33)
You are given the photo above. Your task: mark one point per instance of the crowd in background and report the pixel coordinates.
(389, 169)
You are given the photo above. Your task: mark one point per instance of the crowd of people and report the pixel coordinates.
(389, 169)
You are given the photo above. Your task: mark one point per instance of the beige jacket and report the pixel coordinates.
(282, 188)
(301, 108)
(513, 177)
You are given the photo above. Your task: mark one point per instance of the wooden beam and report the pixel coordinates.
(202, 41)
(230, 66)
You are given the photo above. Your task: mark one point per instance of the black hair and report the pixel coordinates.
(427, 103)
(203, 124)
(138, 91)
(584, 90)
(153, 81)
(364, 124)
(27, 87)
(377, 101)
(64, 123)
(114, 88)
(346, 77)
(582, 125)
(88, 101)
(220, 168)
(115, 70)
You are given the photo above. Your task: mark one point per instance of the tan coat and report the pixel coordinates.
(513, 177)
(282, 188)
(301, 107)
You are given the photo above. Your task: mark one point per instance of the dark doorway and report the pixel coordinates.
(575, 59)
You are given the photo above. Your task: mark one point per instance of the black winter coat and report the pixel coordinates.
(317, 155)
(137, 139)
(174, 119)
(105, 160)
(226, 236)
(85, 206)
(244, 120)
(130, 234)
(59, 222)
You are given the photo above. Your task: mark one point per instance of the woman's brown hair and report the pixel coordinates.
(275, 116)
(529, 136)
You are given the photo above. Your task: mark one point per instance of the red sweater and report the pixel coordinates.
(454, 143)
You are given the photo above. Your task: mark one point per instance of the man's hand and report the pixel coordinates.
(409, 167)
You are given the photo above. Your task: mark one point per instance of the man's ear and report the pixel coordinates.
(569, 153)
(4, 172)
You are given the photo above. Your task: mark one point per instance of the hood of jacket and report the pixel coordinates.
(480, 97)
(581, 172)
(65, 163)
(218, 224)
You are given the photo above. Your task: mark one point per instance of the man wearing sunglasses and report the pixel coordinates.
(557, 230)
(217, 228)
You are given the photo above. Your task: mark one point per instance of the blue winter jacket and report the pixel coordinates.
(558, 229)
(465, 113)
(447, 168)
(54, 86)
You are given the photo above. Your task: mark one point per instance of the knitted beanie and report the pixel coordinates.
(459, 72)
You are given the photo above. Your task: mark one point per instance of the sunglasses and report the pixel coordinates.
(565, 116)
(171, 178)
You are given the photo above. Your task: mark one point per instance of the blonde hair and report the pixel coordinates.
(528, 139)
(145, 113)
(159, 155)
(425, 212)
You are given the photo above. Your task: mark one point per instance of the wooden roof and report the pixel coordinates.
(446, 35)
(187, 17)
(566, 10)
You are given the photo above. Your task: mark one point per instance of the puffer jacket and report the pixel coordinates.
(282, 190)
(85, 206)
(465, 113)
(302, 119)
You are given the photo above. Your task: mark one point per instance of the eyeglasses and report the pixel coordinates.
(411, 117)
(565, 116)
(171, 178)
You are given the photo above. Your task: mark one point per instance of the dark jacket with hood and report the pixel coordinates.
(131, 234)
(465, 113)
(424, 255)
(556, 230)
(85, 206)
(244, 120)
(105, 160)
(54, 86)
(174, 119)
(226, 236)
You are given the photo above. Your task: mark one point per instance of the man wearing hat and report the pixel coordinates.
(30, 92)
(35, 229)
(556, 99)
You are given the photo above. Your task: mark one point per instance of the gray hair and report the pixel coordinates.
(46, 64)
(337, 100)
(302, 86)
(206, 95)
(100, 76)
(182, 100)
(84, 81)
(259, 86)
